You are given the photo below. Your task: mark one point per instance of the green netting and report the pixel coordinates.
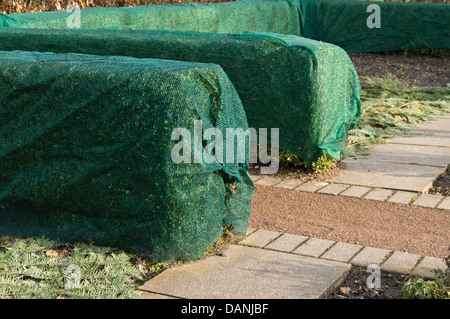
(307, 89)
(402, 25)
(228, 17)
(86, 153)
(340, 22)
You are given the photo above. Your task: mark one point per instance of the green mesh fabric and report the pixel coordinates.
(85, 152)
(340, 22)
(408, 25)
(228, 17)
(307, 89)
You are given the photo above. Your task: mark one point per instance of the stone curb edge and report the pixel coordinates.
(361, 256)
(357, 191)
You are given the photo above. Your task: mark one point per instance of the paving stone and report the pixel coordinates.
(427, 200)
(445, 203)
(430, 138)
(356, 191)
(341, 252)
(399, 176)
(311, 186)
(410, 154)
(379, 194)
(267, 181)
(250, 273)
(400, 262)
(151, 295)
(441, 124)
(368, 256)
(260, 238)
(333, 189)
(428, 266)
(255, 177)
(286, 243)
(313, 247)
(289, 183)
(249, 231)
(402, 197)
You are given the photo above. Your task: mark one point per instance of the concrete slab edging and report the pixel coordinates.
(357, 191)
(356, 255)
(317, 251)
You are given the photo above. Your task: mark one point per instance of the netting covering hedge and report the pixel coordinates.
(86, 153)
(227, 17)
(410, 25)
(307, 89)
(341, 22)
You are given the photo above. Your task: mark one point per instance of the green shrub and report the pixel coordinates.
(419, 288)
(322, 165)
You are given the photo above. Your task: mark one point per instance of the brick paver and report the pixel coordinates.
(260, 238)
(428, 266)
(289, 183)
(267, 181)
(402, 197)
(427, 200)
(368, 256)
(400, 262)
(333, 189)
(356, 191)
(379, 194)
(286, 242)
(341, 252)
(311, 186)
(445, 204)
(313, 247)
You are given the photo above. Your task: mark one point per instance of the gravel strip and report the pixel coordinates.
(416, 230)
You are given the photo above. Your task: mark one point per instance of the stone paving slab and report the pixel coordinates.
(313, 247)
(400, 262)
(250, 273)
(341, 252)
(333, 189)
(409, 154)
(267, 181)
(356, 191)
(150, 295)
(397, 176)
(311, 186)
(441, 124)
(402, 197)
(379, 194)
(445, 204)
(286, 242)
(428, 266)
(289, 183)
(368, 256)
(430, 138)
(427, 200)
(260, 238)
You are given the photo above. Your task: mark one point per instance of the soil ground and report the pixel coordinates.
(410, 68)
(355, 286)
(441, 185)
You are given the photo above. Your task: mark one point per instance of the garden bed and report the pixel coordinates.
(355, 286)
